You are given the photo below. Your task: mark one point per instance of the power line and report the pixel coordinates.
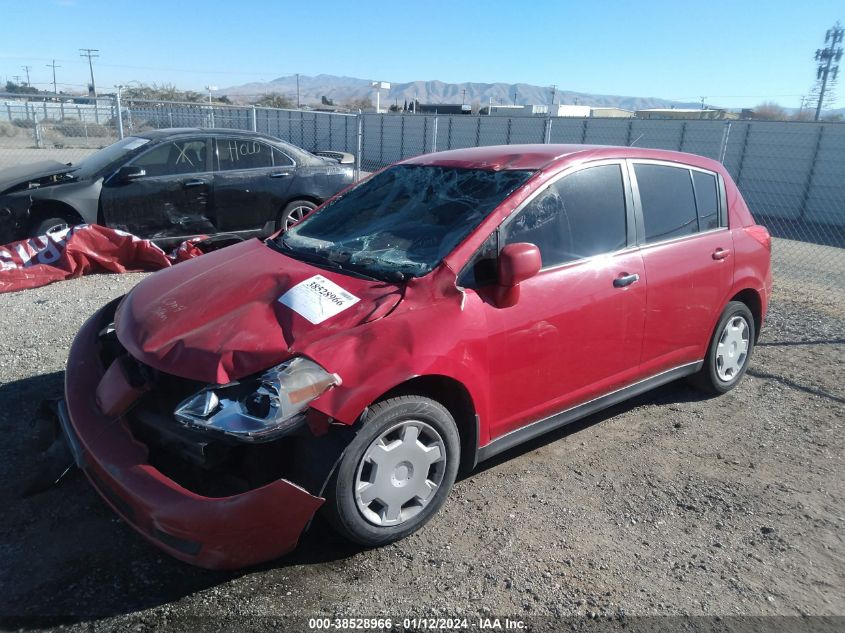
(26, 70)
(53, 66)
(90, 53)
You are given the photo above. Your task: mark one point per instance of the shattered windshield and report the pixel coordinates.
(106, 156)
(403, 221)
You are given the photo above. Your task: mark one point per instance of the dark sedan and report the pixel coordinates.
(169, 185)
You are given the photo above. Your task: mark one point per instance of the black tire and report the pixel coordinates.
(708, 379)
(46, 225)
(341, 508)
(294, 212)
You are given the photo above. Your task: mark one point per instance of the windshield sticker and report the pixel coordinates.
(317, 299)
(136, 143)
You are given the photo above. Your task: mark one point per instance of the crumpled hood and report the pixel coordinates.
(12, 176)
(218, 318)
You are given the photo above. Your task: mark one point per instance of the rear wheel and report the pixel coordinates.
(396, 473)
(294, 212)
(729, 351)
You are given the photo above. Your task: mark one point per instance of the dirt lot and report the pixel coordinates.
(12, 156)
(668, 505)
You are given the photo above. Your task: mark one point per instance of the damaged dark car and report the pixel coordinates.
(175, 184)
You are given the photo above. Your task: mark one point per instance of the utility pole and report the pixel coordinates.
(53, 66)
(26, 70)
(119, 112)
(826, 71)
(515, 93)
(552, 105)
(297, 91)
(17, 79)
(464, 97)
(90, 53)
(702, 102)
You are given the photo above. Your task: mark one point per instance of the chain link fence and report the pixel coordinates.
(792, 174)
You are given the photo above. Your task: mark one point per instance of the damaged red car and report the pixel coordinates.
(444, 310)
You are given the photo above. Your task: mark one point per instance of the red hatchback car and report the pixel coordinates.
(439, 312)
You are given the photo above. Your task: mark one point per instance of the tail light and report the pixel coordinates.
(761, 234)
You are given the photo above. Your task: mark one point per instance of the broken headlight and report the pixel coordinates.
(262, 408)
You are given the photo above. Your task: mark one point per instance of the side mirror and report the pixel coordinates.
(517, 262)
(128, 173)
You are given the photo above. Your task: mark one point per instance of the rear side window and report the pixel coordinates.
(706, 200)
(668, 202)
(578, 216)
(281, 159)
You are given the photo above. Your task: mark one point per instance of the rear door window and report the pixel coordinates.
(581, 215)
(668, 201)
(240, 153)
(706, 200)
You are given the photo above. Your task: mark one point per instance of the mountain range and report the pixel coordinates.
(343, 90)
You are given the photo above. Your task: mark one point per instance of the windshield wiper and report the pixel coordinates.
(320, 260)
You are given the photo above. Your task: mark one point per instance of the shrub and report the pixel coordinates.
(76, 128)
(7, 129)
(24, 123)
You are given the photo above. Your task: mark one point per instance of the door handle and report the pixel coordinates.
(625, 280)
(720, 253)
(193, 183)
(280, 174)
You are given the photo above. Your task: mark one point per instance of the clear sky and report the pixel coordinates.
(735, 54)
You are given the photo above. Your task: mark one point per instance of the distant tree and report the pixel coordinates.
(833, 117)
(395, 108)
(223, 99)
(405, 107)
(326, 101)
(275, 100)
(770, 111)
(15, 88)
(162, 92)
(476, 107)
(360, 104)
(805, 114)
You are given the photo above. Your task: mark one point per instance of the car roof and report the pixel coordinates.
(187, 131)
(546, 156)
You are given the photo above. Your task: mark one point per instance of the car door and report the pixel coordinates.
(688, 257)
(575, 331)
(171, 200)
(251, 180)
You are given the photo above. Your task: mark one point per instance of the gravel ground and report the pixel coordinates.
(669, 504)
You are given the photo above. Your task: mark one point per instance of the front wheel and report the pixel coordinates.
(49, 225)
(396, 473)
(294, 212)
(729, 351)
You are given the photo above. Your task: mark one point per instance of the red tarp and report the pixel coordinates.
(82, 250)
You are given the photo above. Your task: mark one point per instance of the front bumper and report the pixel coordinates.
(216, 533)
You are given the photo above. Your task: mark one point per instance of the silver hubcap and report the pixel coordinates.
(56, 228)
(732, 350)
(296, 214)
(400, 473)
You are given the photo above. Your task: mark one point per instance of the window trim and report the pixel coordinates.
(215, 160)
(641, 238)
(186, 139)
